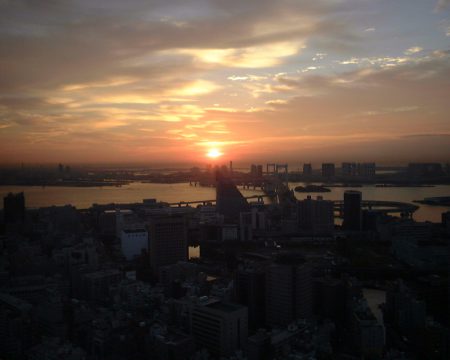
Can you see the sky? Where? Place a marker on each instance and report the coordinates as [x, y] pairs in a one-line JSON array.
[[159, 81]]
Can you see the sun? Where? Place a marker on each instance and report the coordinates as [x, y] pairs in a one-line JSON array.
[[214, 153]]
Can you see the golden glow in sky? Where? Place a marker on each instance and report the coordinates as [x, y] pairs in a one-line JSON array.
[[214, 153], [193, 80]]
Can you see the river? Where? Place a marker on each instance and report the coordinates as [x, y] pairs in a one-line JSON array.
[[84, 197]]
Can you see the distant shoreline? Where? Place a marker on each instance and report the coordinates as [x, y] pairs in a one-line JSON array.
[[119, 183]]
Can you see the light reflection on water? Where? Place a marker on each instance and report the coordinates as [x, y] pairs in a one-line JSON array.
[[37, 196]]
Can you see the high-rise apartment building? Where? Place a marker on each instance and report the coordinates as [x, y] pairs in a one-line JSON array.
[[349, 169], [219, 327], [289, 292], [229, 201], [14, 208], [307, 169], [315, 216], [360, 170], [167, 236], [352, 210], [133, 242], [367, 170], [328, 170], [250, 288]]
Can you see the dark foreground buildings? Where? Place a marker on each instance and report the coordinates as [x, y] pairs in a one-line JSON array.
[[14, 208], [273, 281], [352, 210]]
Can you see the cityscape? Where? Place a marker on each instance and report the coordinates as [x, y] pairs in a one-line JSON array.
[[224, 180], [263, 276]]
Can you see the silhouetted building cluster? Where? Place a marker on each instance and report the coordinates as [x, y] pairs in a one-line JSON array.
[[14, 208], [238, 279], [358, 170], [328, 170], [419, 170]]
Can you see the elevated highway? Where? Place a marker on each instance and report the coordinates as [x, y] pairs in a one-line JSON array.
[[384, 207]]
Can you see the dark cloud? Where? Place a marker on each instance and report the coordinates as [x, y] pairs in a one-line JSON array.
[[97, 73], [55, 42], [443, 4]]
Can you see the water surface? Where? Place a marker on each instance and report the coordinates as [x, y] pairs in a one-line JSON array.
[[84, 197]]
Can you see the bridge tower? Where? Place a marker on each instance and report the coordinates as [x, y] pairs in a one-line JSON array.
[[271, 169], [283, 174]]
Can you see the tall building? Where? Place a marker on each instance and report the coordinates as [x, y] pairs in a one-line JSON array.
[[328, 170], [219, 327], [417, 245], [289, 292], [132, 242], [404, 310], [352, 210], [367, 170], [250, 288], [307, 169], [349, 169], [14, 208], [361, 170], [167, 236], [419, 170], [229, 200], [315, 216], [253, 221], [367, 333]]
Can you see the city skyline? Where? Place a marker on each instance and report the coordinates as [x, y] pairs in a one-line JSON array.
[[104, 81]]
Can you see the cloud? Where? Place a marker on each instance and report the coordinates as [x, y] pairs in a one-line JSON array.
[[413, 50], [102, 78], [252, 57], [442, 4]]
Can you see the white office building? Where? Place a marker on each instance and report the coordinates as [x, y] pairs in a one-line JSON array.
[[133, 241]]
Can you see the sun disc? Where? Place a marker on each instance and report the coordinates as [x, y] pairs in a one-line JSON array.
[[214, 153]]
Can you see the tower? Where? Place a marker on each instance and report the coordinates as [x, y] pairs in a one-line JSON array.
[[167, 240], [352, 210], [14, 208], [230, 202]]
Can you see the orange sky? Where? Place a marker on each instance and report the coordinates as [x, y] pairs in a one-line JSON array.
[[154, 82]]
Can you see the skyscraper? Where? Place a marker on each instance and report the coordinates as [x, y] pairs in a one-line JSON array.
[[289, 291], [328, 170], [307, 169], [14, 208], [349, 169], [219, 327], [316, 216], [250, 291], [230, 202], [352, 210], [167, 236]]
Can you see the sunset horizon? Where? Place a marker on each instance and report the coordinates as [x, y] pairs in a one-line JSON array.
[[224, 179], [104, 82]]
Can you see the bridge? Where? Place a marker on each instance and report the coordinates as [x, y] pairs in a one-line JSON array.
[[384, 207], [213, 201], [274, 184]]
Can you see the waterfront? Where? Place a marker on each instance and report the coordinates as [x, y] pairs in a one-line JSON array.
[[37, 196], [402, 194]]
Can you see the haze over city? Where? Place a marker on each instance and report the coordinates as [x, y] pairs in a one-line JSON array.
[[158, 81]]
